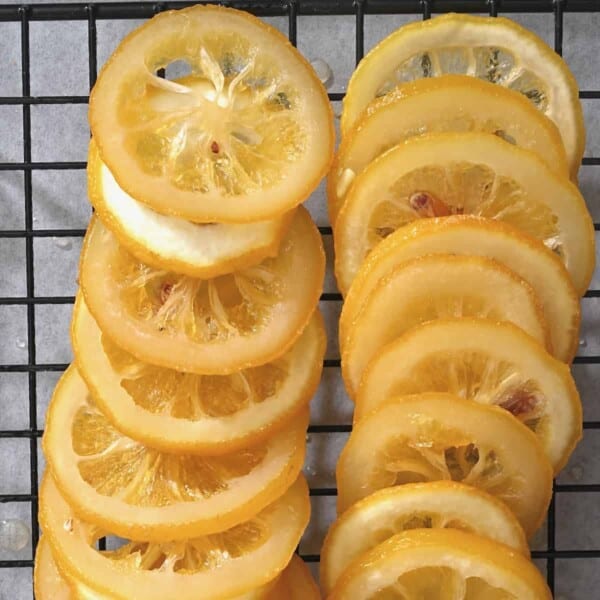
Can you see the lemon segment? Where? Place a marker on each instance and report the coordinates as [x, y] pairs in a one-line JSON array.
[[469, 235], [171, 243], [497, 50], [440, 104], [441, 563], [436, 287], [244, 135], [439, 504], [438, 436], [199, 414], [439, 175], [212, 567], [491, 363], [136, 491]]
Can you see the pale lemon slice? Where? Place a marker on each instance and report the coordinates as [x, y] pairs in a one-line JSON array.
[[244, 135], [465, 234], [491, 363], [441, 564], [48, 583], [222, 566], [438, 504], [199, 414], [295, 583], [443, 174], [448, 103], [434, 436], [171, 243], [436, 287], [494, 49], [135, 491]]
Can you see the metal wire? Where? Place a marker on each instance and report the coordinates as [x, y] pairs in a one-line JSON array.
[[291, 9]]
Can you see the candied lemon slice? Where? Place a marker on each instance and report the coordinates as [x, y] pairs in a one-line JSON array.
[[436, 287], [493, 49], [295, 583], [49, 584], [470, 235], [491, 363], [441, 563], [136, 491], [214, 326], [436, 504], [434, 436], [171, 243], [246, 134], [200, 414], [222, 566], [448, 103], [443, 174]]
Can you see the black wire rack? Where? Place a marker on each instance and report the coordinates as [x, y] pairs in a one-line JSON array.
[[291, 9]]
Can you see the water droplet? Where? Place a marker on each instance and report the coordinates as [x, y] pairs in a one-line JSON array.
[[68, 525], [35, 219], [14, 535], [323, 71], [308, 438], [21, 343], [583, 342], [310, 471], [62, 243], [576, 473]]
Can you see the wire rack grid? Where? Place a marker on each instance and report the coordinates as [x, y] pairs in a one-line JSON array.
[[551, 558]]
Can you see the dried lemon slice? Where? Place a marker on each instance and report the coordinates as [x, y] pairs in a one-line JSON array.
[[245, 135], [48, 583], [448, 103], [214, 326], [135, 491], [434, 436], [295, 583], [200, 414], [493, 49], [441, 563], [465, 234], [436, 287], [166, 242], [491, 363], [213, 567], [438, 175], [437, 504]]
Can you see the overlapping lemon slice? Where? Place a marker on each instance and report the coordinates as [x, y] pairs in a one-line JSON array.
[[441, 563], [214, 326], [295, 583], [135, 491], [493, 49], [491, 363], [213, 567], [49, 584], [241, 131], [437, 175], [171, 243], [436, 287], [465, 234], [200, 414], [448, 103], [439, 504], [435, 436]]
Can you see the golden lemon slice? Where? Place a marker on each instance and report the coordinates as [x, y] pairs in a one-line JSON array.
[[295, 583], [437, 504], [435, 436], [244, 135], [493, 49]]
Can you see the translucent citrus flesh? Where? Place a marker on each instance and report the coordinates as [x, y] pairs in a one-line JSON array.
[[439, 504], [435, 436], [295, 583], [440, 104], [438, 175], [214, 326], [211, 567], [436, 287], [240, 130], [442, 564], [491, 363], [136, 491], [497, 50], [200, 414], [465, 234], [171, 243]]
